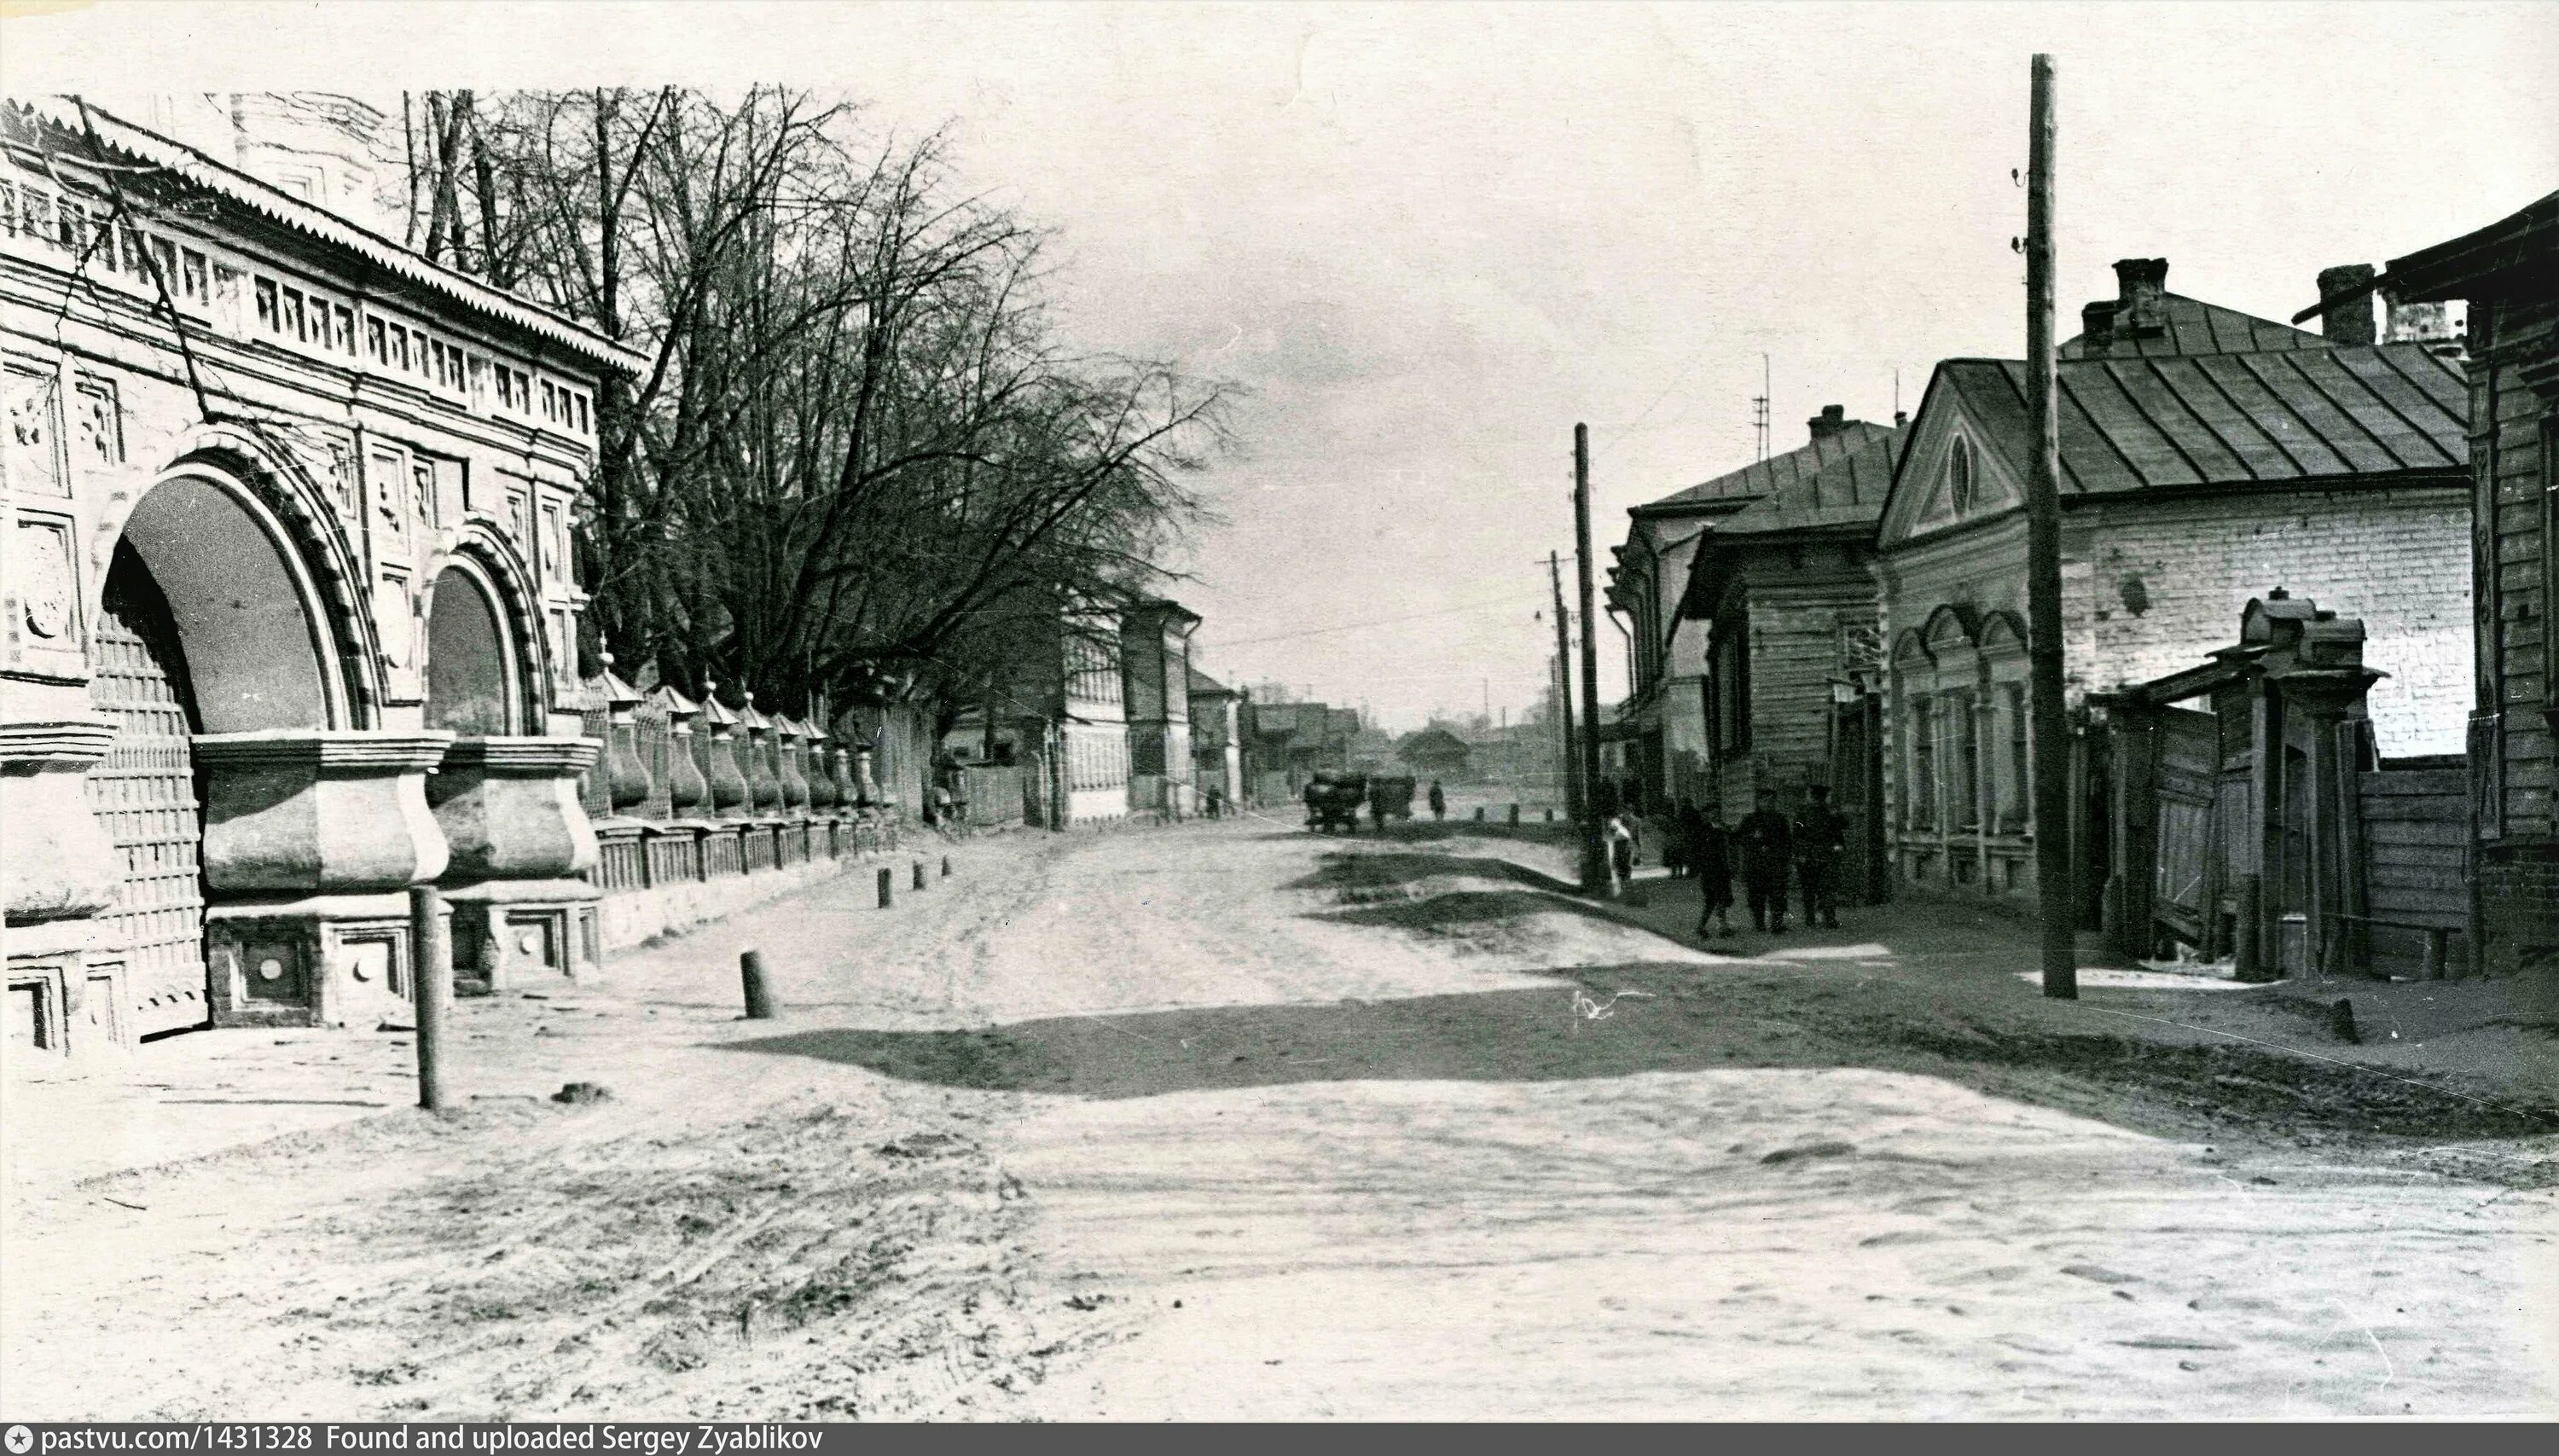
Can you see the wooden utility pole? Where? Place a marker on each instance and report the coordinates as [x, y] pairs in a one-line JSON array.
[[2053, 874], [1564, 691], [1595, 876]]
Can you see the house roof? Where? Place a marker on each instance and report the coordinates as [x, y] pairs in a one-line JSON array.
[[2522, 248], [1775, 472], [2194, 327], [1849, 491], [2288, 414], [1201, 683], [282, 208]]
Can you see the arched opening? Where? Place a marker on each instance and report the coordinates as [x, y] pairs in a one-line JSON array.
[[240, 606], [473, 684], [203, 626]]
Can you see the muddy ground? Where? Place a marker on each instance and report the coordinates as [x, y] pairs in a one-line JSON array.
[[1234, 1121]]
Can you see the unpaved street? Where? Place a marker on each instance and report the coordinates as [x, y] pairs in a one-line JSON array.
[[1233, 1120]]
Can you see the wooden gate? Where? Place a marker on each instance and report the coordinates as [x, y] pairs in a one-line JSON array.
[[2189, 764], [144, 793]]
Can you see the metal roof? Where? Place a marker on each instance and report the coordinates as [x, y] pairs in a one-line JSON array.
[[1850, 491], [1778, 471], [2193, 326], [2520, 249], [2291, 414], [282, 208]]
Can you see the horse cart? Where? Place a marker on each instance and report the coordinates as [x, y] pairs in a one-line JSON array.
[[1333, 802]]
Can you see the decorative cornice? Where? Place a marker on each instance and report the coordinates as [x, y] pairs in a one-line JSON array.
[[323, 749], [63, 743], [524, 757]]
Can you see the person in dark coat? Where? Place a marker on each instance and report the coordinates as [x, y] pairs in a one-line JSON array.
[[1821, 840], [1438, 801], [1675, 840], [1766, 843], [1710, 858]]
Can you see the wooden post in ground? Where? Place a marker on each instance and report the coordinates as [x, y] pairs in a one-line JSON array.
[[887, 887], [431, 987], [2054, 870], [919, 874], [1598, 877]]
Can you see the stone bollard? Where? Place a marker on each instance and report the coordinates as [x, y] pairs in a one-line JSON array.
[[759, 997], [2341, 1023], [1515, 816], [946, 866], [1480, 814], [1550, 816], [919, 874], [887, 887], [432, 988]]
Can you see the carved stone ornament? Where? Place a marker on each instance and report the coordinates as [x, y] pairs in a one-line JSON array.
[[45, 592], [28, 439], [101, 425], [393, 619]]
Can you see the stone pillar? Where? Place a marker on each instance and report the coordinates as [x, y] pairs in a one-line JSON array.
[[520, 841], [763, 785], [789, 736], [57, 869], [626, 778], [688, 791], [824, 793], [312, 839], [727, 778], [849, 789]]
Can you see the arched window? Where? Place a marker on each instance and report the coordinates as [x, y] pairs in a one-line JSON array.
[[1959, 476]]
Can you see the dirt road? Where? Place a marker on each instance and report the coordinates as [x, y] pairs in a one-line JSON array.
[[1236, 1121]]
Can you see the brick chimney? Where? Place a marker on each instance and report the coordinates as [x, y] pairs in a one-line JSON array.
[[1832, 420], [2345, 321], [2141, 305], [2097, 320]]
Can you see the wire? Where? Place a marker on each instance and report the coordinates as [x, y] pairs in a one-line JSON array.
[[1484, 606]]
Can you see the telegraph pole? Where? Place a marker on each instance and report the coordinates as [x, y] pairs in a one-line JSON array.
[[2053, 875], [1564, 691], [1595, 876]]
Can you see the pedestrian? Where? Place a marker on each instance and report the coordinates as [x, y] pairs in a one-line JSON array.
[[1821, 838], [1767, 857], [1438, 801], [1621, 848], [1709, 859], [1675, 840]]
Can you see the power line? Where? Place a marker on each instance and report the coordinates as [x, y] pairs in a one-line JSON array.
[[1247, 641]]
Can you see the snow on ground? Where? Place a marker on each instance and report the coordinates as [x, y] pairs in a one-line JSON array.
[[1235, 1120]]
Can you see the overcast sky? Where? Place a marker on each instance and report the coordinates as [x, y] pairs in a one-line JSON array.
[[1428, 240]]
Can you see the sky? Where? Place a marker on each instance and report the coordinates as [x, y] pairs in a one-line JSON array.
[[1427, 240]]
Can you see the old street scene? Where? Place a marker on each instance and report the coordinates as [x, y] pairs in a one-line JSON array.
[[1275, 713]]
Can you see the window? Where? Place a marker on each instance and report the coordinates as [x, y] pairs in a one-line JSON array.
[[1963, 774], [1729, 676], [70, 227], [1920, 810], [2021, 788], [1959, 476], [550, 402], [132, 259], [194, 283], [377, 341], [229, 284], [270, 307], [2549, 560], [164, 264], [36, 212], [399, 349], [297, 318], [477, 370], [585, 426]]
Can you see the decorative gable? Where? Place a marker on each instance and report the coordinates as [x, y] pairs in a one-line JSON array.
[[1950, 473]]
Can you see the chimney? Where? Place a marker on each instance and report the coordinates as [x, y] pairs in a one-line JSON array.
[[2141, 312], [1832, 420], [1900, 417], [2343, 321], [2097, 321]]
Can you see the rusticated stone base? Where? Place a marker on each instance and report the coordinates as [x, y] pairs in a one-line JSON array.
[[343, 959], [512, 934]]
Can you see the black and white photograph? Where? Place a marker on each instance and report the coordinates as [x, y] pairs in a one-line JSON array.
[[772, 714]]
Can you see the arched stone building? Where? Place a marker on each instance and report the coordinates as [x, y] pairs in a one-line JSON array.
[[289, 625]]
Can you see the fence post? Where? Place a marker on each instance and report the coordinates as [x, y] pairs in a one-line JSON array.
[[887, 887], [431, 985], [2438, 960], [919, 874], [1515, 816]]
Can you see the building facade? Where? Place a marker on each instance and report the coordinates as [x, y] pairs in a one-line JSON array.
[[288, 516], [1217, 737], [1155, 652], [2508, 275], [2207, 459]]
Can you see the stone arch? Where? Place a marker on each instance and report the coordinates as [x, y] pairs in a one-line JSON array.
[[1952, 627], [251, 613], [2003, 632], [475, 667], [294, 513]]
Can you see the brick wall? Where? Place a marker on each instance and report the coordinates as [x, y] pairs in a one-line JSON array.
[[2165, 581]]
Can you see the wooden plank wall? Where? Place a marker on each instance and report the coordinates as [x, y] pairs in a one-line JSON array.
[[2505, 446], [2415, 826]]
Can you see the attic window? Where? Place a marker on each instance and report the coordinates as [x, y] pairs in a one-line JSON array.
[[1959, 478]]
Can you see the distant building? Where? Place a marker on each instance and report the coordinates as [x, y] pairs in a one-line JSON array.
[[1217, 737], [1154, 662]]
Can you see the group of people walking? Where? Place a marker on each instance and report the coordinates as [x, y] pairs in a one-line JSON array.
[[1769, 850]]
